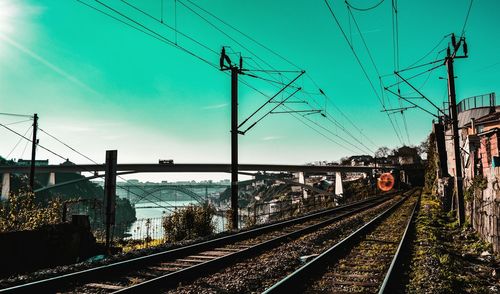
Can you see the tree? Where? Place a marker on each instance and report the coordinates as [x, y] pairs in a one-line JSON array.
[[382, 152], [422, 148]]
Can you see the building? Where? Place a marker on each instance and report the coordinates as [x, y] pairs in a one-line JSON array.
[[479, 126]]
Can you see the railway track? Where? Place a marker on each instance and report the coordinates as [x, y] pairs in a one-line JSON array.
[[367, 261], [166, 269]]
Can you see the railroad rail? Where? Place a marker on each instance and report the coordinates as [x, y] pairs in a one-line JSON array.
[[166, 269], [364, 262]]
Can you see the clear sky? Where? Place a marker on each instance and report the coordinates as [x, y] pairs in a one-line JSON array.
[[98, 84]]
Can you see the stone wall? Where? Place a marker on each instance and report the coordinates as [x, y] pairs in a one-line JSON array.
[[49, 246], [484, 212]]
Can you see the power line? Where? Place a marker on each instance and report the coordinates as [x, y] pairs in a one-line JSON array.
[[298, 117], [364, 9], [170, 27], [361, 65], [466, 19], [26, 145], [29, 140], [395, 35], [155, 34], [425, 55], [18, 122], [414, 76], [71, 148], [144, 29], [19, 141], [15, 114], [93, 161], [245, 35]]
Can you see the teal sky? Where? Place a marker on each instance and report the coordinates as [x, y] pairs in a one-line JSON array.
[[98, 84]]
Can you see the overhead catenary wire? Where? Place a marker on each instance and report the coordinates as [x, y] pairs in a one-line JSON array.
[[362, 66], [300, 118], [256, 42], [144, 29], [17, 122], [364, 9], [155, 34], [396, 57], [69, 147], [374, 66], [26, 145], [170, 27], [239, 43], [245, 35], [426, 54], [95, 162], [29, 140], [15, 114], [466, 19], [18, 142]]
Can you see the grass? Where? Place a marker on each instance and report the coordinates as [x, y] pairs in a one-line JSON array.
[[445, 256]]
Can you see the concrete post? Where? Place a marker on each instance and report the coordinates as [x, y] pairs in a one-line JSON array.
[[52, 179], [5, 186], [302, 180], [339, 188]]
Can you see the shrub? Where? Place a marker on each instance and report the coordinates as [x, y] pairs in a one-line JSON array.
[[191, 222], [22, 212]]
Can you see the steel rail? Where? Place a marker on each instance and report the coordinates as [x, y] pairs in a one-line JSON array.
[[97, 273], [171, 280], [295, 282], [390, 285]]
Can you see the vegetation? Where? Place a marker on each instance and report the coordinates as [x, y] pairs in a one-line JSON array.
[[478, 183], [445, 257], [21, 212], [431, 168], [445, 254], [191, 222], [83, 197]]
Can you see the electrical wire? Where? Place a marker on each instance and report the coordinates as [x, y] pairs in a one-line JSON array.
[[245, 35], [144, 29], [364, 9], [362, 67], [25, 146], [19, 141], [252, 39], [170, 27], [15, 114], [93, 161], [466, 19], [29, 140], [17, 122]]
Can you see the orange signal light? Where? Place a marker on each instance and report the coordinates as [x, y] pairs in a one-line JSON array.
[[385, 182]]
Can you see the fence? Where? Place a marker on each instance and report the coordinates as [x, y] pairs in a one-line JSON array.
[[485, 100], [266, 212], [486, 218], [148, 232]]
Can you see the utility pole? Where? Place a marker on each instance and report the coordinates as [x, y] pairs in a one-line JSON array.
[[110, 192], [235, 71], [454, 119], [34, 142], [234, 146]]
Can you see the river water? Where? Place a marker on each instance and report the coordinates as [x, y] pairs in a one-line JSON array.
[[150, 215]]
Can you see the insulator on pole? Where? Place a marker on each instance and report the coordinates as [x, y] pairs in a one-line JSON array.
[[222, 54]]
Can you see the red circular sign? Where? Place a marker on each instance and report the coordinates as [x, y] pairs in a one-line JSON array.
[[385, 182]]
